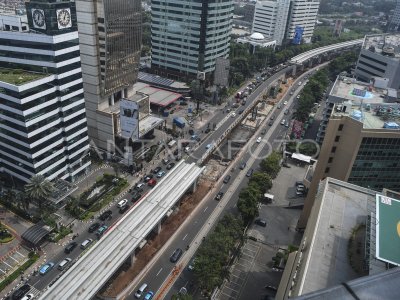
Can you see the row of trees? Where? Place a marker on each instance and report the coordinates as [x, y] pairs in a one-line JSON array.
[[259, 184], [212, 259], [317, 84]]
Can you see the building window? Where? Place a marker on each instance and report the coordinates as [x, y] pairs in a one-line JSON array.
[[333, 150], [337, 138], [327, 170], [340, 127], [330, 160]]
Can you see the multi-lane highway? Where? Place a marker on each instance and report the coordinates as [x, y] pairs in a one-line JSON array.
[[160, 272]]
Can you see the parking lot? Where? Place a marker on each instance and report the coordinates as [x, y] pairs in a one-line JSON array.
[[10, 262]]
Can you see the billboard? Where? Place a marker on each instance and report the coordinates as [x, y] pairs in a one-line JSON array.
[[298, 35], [129, 119]]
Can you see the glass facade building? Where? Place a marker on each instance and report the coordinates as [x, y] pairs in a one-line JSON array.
[[188, 36], [110, 34], [43, 127]]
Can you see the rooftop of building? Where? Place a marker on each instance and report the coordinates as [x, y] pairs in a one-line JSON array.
[[368, 104], [19, 77], [343, 208], [386, 44]]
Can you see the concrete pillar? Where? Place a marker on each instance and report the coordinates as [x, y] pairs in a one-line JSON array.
[[132, 258], [194, 186], [112, 99], [157, 228], [294, 70]]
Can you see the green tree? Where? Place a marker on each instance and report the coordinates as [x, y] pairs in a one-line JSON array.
[[248, 202], [262, 180], [271, 164], [38, 189]]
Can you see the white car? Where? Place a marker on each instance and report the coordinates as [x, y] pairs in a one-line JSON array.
[[298, 97], [283, 122], [258, 140], [300, 83], [285, 102], [233, 115], [122, 203], [27, 297]]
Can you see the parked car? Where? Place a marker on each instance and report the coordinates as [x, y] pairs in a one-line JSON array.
[[93, 227], [300, 193], [191, 132], [242, 166], [270, 123], [156, 170], [165, 161], [272, 118], [207, 130], [264, 131], [261, 222], [227, 178], [139, 187], [176, 255], [299, 182], [191, 264], [160, 174], [283, 122], [249, 173], [71, 246], [27, 297], [21, 291], [46, 268], [258, 140], [219, 196], [285, 102], [106, 215], [208, 146], [286, 112], [279, 106], [152, 182], [170, 166], [286, 124]]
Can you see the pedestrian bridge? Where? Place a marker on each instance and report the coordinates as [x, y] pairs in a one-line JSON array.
[[86, 277]]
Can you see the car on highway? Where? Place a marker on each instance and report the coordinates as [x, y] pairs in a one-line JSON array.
[[160, 174], [93, 227], [279, 106], [227, 178], [272, 118], [187, 149], [106, 215], [264, 131], [170, 166], [240, 111], [208, 146], [258, 140], [191, 131], [136, 196], [46, 268], [152, 182], [193, 137], [298, 97], [122, 203], [141, 290], [122, 210], [300, 83], [286, 124], [233, 115], [101, 230], [285, 102], [147, 177], [242, 166], [286, 112], [249, 173], [291, 93], [191, 264], [158, 169], [283, 122], [219, 196], [149, 295], [261, 222], [21, 291], [71, 246], [176, 255], [270, 123], [207, 130]]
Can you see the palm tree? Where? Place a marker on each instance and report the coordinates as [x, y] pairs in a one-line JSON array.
[[38, 189]]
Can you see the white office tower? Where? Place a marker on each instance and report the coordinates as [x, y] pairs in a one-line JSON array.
[[303, 15], [394, 24], [286, 21], [270, 19], [188, 36], [42, 109]]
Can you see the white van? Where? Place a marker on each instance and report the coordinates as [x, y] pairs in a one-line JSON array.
[[141, 290], [122, 203], [86, 243], [62, 264]]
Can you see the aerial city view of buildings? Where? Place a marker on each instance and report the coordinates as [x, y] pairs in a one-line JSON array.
[[199, 149]]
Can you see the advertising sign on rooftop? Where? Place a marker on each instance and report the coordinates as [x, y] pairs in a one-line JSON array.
[[129, 118]]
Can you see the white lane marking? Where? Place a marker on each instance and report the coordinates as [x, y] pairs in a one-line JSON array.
[[205, 209], [184, 237], [159, 272]]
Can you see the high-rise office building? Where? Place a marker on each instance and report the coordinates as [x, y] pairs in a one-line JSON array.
[[188, 36], [281, 20], [380, 58], [110, 40], [394, 24], [43, 126], [361, 141]]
